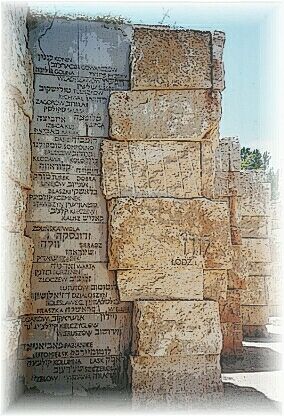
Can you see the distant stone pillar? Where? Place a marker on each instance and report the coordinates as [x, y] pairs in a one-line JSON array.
[[169, 242]]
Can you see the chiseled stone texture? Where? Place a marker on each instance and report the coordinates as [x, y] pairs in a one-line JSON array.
[[163, 232], [174, 380], [256, 249], [13, 202], [260, 268], [15, 147], [17, 62], [256, 292], [235, 221], [256, 227], [239, 271], [215, 284], [160, 284], [176, 328], [255, 194], [274, 289], [164, 115], [230, 308], [18, 253], [228, 155], [255, 331], [177, 59], [151, 169], [232, 338], [226, 184], [254, 314]]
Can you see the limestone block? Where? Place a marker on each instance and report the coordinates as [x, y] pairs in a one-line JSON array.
[[230, 308], [177, 59], [160, 284], [15, 147], [13, 204], [255, 292], [215, 284], [256, 249], [239, 271], [164, 115], [256, 195], [17, 63], [236, 233], [255, 331], [10, 329], [208, 166], [232, 338], [144, 169], [17, 264], [256, 227], [260, 268], [228, 155], [163, 232], [226, 184], [166, 328], [275, 310], [174, 379], [254, 314], [274, 289]]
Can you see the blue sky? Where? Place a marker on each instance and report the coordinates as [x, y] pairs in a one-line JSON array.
[[251, 52]]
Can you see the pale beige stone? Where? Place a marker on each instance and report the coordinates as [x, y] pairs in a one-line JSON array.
[[208, 166], [143, 169], [228, 155], [235, 220], [15, 146], [256, 249], [164, 115], [255, 292], [226, 184], [176, 59], [166, 328], [254, 315], [256, 227], [256, 194], [232, 338], [260, 268], [230, 307], [215, 284], [10, 329], [163, 232], [13, 205], [160, 284], [17, 264], [239, 271], [174, 379], [274, 289]]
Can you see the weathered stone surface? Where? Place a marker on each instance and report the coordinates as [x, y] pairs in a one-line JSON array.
[[174, 380], [157, 232], [58, 197], [164, 115], [17, 64], [10, 336], [256, 249], [239, 271], [228, 155], [256, 227], [254, 315], [208, 166], [256, 195], [68, 242], [160, 284], [255, 331], [156, 169], [15, 146], [166, 328], [13, 205], [255, 292], [177, 59], [230, 308], [215, 284], [232, 338], [274, 289], [17, 264], [260, 268], [235, 223], [226, 184]]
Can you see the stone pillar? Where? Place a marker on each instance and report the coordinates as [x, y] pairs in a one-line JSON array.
[[15, 177], [227, 189], [256, 232], [166, 234]]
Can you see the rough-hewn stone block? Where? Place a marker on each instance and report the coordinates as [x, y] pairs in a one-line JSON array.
[[273, 289], [256, 227], [157, 380], [239, 271], [164, 115], [215, 284], [160, 284], [230, 308], [255, 292], [165, 328], [256, 249], [228, 155], [254, 315], [144, 169], [232, 338], [256, 195], [259, 268], [226, 184], [236, 233], [255, 331], [177, 59], [163, 232]]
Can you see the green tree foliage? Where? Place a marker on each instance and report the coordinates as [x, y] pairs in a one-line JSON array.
[[254, 159]]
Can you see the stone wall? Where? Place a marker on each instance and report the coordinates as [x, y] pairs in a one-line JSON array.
[[169, 241], [16, 247]]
